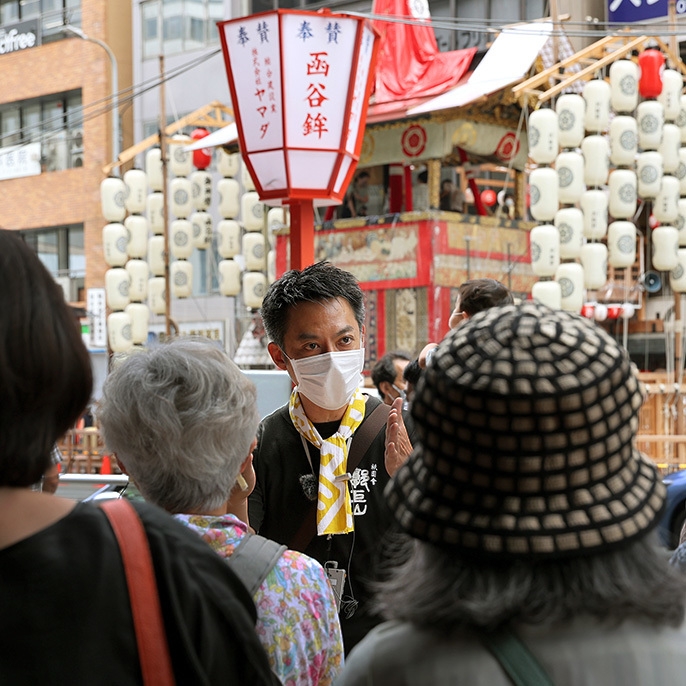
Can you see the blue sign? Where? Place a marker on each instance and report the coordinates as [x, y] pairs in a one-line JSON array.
[[629, 11]]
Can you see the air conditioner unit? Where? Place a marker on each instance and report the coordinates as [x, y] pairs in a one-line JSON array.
[[54, 150], [76, 140], [76, 158]]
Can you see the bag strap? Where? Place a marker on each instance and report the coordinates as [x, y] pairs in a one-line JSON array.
[[362, 439], [253, 558], [148, 625], [515, 658]]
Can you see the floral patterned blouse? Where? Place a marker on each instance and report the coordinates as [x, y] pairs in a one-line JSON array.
[[296, 612]]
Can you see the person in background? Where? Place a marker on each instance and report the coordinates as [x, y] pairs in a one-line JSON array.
[[451, 199], [181, 418], [387, 375], [473, 296], [66, 615], [308, 496], [357, 199], [529, 519], [420, 192]]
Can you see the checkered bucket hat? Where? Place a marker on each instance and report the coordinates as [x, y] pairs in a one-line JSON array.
[[526, 418]]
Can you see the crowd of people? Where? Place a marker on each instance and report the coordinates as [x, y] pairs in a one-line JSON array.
[[486, 519]]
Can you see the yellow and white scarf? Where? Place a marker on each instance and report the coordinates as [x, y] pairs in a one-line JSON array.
[[334, 509]]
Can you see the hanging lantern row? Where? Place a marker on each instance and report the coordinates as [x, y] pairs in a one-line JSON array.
[[582, 138]]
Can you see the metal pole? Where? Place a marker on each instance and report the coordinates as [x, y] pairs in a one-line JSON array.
[[165, 204], [116, 145]]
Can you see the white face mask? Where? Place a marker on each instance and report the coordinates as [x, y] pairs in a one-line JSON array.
[[329, 380]]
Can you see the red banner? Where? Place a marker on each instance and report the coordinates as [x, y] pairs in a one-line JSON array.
[[410, 64]]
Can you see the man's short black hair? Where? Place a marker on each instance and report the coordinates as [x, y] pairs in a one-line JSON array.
[[317, 283], [384, 369]]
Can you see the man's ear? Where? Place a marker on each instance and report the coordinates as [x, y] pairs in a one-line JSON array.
[[277, 355], [385, 388]]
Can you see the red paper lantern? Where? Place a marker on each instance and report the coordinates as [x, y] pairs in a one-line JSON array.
[[587, 311], [489, 197], [651, 63], [613, 311], [201, 158]]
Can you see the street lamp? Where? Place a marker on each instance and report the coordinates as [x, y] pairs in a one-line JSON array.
[[68, 28]]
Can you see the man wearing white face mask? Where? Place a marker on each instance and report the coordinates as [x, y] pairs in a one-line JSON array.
[[320, 459]]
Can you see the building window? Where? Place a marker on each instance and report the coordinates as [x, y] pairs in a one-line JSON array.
[[175, 26], [51, 15], [54, 121], [60, 249]]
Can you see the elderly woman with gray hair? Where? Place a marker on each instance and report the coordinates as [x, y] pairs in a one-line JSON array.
[[531, 555], [181, 419]]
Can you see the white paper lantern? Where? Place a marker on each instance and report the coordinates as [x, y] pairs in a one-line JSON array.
[[254, 251], [181, 239], [119, 332], [180, 161], [229, 191], [156, 255], [254, 289], [681, 171], [594, 206], [666, 205], [600, 312], [246, 179], [570, 109], [228, 164], [139, 314], [117, 288], [136, 182], [181, 197], [542, 132], [155, 212], [669, 148], [570, 276], [623, 141], [181, 275], [594, 261], [229, 278], [665, 242], [650, 118], [201, 185], [596, 153], [681, 119], [271, 266], [570, 174], [545, 250], [624, 85], [570, 224], [153, 168], [138, 229], [670, 97], [138, 279], [113, 198], [252, 211], [649, 174], [597, 114], [622, 184], [548, 293], [115, 240], [157, 295], [677, 277], [680, 223], [543, 191], [228, 238], [202, 229], [276, 219], [621, 244]]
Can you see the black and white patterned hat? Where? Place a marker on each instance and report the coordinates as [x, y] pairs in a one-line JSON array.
[[527, 418]]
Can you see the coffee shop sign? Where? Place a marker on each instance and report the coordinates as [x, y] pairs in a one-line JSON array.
[[13, 40]]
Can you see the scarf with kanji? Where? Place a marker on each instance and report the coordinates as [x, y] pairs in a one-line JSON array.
[[334, 509]]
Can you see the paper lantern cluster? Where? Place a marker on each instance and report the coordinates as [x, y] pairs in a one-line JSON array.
[[597, 153], [241, 245]]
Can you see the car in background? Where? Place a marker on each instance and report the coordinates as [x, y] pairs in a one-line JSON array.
[[674, 516]]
